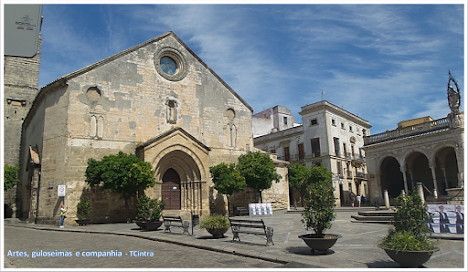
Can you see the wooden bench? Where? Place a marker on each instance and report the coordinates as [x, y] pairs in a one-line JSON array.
[[242, 211], [175, 221], [256, 227]]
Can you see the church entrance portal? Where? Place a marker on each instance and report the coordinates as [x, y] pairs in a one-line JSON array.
[[171, 189]]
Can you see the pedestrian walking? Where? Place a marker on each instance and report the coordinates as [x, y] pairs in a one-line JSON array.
[[63, 215], [358, 198], [351, 197]]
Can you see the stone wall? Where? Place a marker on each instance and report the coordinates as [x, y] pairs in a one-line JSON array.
[[21, 80]]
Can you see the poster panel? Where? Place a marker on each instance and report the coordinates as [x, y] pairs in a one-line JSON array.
[[446, 218], [260, 209]]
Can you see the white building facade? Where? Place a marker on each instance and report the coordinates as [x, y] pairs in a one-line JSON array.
[[329, 135]]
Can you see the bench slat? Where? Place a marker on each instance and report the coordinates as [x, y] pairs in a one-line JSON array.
[[249, 226], [239, 226]]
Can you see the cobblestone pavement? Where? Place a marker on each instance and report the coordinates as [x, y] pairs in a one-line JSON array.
[[357, 248], [166, 255]]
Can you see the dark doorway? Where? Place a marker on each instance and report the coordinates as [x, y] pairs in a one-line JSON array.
[[391, 178], [171, 189], [342, 199]]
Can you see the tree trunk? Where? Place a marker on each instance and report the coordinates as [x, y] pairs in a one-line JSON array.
[[228, 209], [127, 209], [260, 193]]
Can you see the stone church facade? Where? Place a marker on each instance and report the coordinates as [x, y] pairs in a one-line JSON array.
[[157, 99]]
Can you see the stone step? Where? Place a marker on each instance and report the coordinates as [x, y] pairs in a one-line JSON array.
[[372, 218], [390, 213], [371, 221]]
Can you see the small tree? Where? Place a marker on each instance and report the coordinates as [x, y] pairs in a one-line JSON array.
[[149, 209], [83, 208], [259, 171], [124, 174], [319, 201], [10, 176], [409, 232], [227, 179], [298, 175]]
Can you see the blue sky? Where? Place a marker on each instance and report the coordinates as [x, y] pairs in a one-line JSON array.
[[384, 63]]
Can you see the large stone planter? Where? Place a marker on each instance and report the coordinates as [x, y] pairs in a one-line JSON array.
[[83, 222], [217, 232], [152, 225], [140, 224], [410, 259], [321, 243]]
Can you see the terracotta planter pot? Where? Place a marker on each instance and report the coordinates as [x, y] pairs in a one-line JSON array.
[[217, 232], [321, 243], [410, 259]]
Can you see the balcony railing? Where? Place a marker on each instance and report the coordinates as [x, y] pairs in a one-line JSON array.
[[361, 175], [427, 127], [293, 158]]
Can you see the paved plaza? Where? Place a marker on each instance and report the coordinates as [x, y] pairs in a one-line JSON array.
[[356, 249]]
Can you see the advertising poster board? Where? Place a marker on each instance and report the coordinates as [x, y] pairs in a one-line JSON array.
[[446, 218], [260, 209]]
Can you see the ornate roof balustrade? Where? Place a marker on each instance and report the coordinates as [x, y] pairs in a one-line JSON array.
[[434, 126]]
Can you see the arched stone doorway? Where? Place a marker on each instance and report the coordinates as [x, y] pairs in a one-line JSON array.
[[391, 177], [179, 180], [446, 169], [170, 189], [419, 171], [179, 160]]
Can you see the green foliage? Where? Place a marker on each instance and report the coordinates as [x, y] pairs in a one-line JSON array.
[[214, 222], [411, 215], [83, 208], [403, 240], [298, 174], [258, 169], [227, 178], [149, 209], [409, 231], [319, 200], [10, 176], [123, 173]]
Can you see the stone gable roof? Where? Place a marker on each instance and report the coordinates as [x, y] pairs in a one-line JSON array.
[[169, 132], [65, 78]]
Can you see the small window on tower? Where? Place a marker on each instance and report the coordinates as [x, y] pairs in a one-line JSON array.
[[313, 122], [285, 120]]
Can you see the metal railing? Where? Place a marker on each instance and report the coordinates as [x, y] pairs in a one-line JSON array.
[[296, 157]]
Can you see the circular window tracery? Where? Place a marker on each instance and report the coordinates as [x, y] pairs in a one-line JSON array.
[[231, 114], [170, 64]]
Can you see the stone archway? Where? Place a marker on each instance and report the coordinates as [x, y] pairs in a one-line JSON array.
[[391, 178], [179, 180], [446, 168], [173, 154], [419, 171]]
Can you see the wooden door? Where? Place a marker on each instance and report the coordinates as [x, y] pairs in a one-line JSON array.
[[171, 190]]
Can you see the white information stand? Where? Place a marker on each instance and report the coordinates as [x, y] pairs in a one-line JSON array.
[[260, 209]]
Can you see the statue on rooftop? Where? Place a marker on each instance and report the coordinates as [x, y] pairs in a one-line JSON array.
[[453, 95]]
